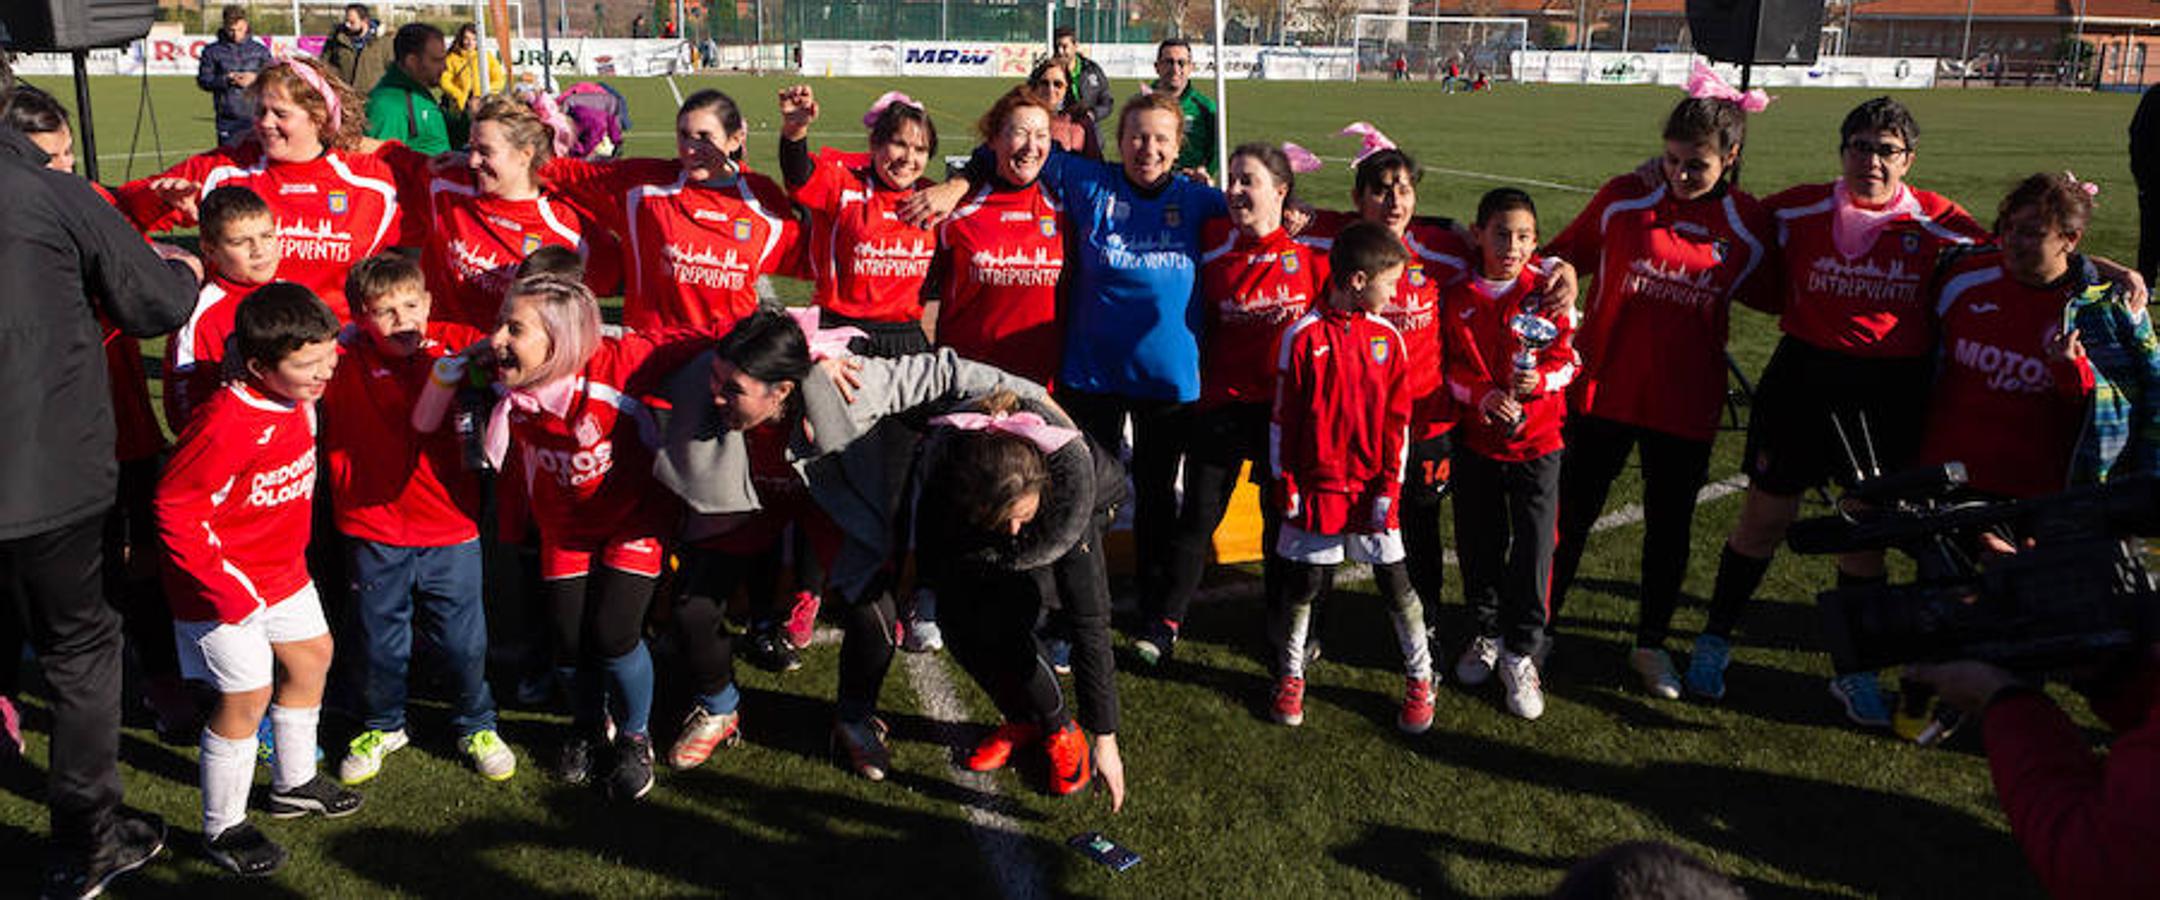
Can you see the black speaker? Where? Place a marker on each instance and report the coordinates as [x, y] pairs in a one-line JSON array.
[[1768, 32], [39, 26]]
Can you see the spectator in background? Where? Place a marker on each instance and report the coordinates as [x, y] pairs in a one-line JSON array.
[[461, 71], [2145, 166], [402, 107], [638, 28], [1072, 127], [1173, 71], [229, 65], [1089, 87], [355, 50], [61, 242]]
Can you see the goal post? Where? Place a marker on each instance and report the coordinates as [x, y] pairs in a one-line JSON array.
[[1425, 47]]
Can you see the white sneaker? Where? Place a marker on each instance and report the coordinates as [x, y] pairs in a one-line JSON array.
[[364, 757], [1476, 664], [1519, 684], [1655, 667], [918, 627]]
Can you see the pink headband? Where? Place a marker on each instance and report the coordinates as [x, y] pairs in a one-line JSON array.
[[315, 80], [1374, 141], [550, 114], [831, 343], [869, 119], [1027, 426], [1704, 84], [1301, 159], [2091, 190]]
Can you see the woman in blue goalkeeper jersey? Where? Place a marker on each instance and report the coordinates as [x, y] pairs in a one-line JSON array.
[[1132, 316]]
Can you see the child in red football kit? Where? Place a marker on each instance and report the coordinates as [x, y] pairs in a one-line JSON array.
[[240, 250], [1512, 380], [234, 509], [585, 454], [1337, 444], [406, 503]]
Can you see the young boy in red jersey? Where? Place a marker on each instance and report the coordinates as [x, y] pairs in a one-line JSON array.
[[1507, 457], [1338, 439], [407, 504], [234, 509], [240, 247]]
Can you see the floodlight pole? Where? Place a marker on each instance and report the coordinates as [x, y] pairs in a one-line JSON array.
[[1627, 22], [547, 52], [1222, 97], [480, 28], [83, 118]]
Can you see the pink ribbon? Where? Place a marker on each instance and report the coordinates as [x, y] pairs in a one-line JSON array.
[[1025, 425], [1301, 159], [830, 343], [1373, 140], [315, 80], [554, 396], [877, 109], [1704, 84], [2090, 189], [543, 105]]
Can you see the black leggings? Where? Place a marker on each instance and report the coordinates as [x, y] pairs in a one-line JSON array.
[[1158, 439], [596, 617], [1424, 486], [989, 624], [709, 579], [866, 649], [1221, 440], [132, 552], [1673, 471]]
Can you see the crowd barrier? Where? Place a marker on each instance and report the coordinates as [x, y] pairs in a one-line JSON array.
[[969, 59], [1614, 67], [181, 54]]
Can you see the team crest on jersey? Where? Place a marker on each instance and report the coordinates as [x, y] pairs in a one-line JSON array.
[[1417, 276], [1718, 249], [1912, 243], [532, 243], [588, 431], [1170, 215], [742, 229], [340, 202], [1289, 262], [1047, 225], [1379, 347]]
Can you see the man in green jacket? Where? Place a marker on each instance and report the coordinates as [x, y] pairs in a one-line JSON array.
[[402, 107], [1173, 70]]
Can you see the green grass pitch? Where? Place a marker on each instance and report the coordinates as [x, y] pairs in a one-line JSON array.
[[1769, 785]]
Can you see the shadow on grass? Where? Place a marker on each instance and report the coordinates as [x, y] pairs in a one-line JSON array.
[[743, 838], [1875, 843]]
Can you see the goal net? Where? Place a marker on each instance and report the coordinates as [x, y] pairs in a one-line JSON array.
[[1437, 48]]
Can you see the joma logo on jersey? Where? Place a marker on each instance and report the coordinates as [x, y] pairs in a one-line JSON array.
[[946, 57], [1379, 347], [340, 202]]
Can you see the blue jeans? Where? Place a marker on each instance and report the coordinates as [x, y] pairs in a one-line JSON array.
[[443, 584]]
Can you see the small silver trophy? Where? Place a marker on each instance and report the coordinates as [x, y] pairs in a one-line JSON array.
[[1532, 333]]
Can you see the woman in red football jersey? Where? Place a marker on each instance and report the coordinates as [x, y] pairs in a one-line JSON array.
[[870, 265], [334, 204], [699, 229], [1001, 252], [1670, 255], [1255, 279], [485, 218]]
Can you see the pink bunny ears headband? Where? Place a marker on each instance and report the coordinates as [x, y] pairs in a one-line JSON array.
[[1704, 84], [1371, 140], [2091, 190], [869, 119]]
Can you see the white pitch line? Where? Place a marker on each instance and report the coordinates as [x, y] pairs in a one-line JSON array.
[[1001, 838]]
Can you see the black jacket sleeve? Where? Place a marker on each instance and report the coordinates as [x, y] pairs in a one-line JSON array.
[[143, 295], [796, 165]]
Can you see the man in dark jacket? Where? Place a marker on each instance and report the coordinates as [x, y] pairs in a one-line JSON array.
[[1089, 85], [67, 256], [356, 50], [229, 65]]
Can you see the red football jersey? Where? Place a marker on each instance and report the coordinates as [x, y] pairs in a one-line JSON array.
[[2000, 405], [332, 211], [388, 483], [587, 459], [1003, 253], [1339, 436], [195, 354], [1871, 304], [695, 252], [869, 265], [234, 506], [1483, 346], [475, 243], [1438, 257], [1252, 289], [1652, 338]]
